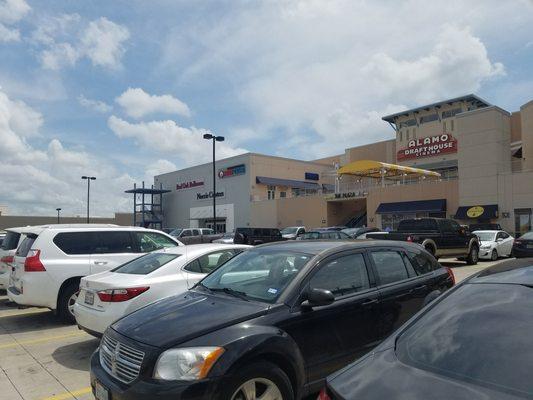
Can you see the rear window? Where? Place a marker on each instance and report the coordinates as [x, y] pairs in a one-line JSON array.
[[147, 264], [417, 225], [11, 241], [25, 246], [480, 334]]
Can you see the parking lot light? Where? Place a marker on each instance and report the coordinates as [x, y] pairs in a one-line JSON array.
[[58, 210], [214, 138], [88, 179]]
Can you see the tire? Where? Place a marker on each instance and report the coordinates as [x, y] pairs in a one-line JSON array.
[[68, 296], [260, 376], [473, 255], [430, 250], [494, 255]]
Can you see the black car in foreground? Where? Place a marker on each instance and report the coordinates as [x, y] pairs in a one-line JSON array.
[[271, 323], [473, 343], [523, 246]]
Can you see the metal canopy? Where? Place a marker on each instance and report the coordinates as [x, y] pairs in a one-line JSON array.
[[438, 205], [377, 169]]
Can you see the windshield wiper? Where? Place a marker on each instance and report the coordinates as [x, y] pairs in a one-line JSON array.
[[231, 292]]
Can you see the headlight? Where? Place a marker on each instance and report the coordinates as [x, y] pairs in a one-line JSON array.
[[189, 363], [485, 247]]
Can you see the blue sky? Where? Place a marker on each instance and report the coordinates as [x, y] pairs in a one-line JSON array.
[[125, 89]]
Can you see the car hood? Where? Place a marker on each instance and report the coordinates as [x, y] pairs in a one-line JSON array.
[[486, 243], [180, 318], [380, 375]]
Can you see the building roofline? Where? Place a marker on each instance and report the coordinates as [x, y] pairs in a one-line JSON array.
[[484, 109], [392, 117]]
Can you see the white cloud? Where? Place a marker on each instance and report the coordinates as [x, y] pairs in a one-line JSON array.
[[137, 103], [187, 144], [12, 11], [158, 167], [95, 105], [103, 42], [9, 35], [63, 40], [330, 69], [37, 180]]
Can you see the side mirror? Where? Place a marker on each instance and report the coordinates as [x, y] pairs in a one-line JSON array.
[[499, 240], [318, 297]]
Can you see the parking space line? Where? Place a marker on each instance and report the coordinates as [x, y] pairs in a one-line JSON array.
[[42, 340], [38, 311], [70, 395]]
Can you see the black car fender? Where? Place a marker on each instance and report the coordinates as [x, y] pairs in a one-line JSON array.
[[244, 344]]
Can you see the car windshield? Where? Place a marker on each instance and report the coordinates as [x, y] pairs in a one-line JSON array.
[[527, 236], [229, 235], [479, 334], [289, 231], [146, 264], [176, 232], [485, 236], [260, 274]]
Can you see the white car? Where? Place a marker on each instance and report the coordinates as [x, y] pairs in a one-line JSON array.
[[52, 259], [13, 238], [494, 244], [108, 296]]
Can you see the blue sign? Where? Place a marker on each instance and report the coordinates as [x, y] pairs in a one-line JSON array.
[[232, 171], [311, 176]]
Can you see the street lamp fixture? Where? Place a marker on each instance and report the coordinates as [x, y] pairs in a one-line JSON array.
[[58, 210], [214, 138], [88, 179]]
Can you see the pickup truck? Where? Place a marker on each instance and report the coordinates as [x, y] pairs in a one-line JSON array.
[[195, 235], [441, 237]]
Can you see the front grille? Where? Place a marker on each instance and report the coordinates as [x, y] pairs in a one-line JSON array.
[[119, 360]]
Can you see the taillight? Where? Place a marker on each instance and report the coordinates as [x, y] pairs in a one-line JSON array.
[[451, 274], [323, 395], [518, 242], [33, 262], [118, 295], [409, 238], [7, 259]]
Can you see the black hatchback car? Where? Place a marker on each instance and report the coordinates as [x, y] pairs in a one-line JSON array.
[[523, 246], [271, 323], [474, 343]]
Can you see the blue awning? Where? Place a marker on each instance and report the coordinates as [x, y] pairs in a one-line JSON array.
[[412, 206], [286, 182], [477, 212]]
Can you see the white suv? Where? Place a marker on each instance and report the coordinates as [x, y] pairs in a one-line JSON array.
[[14, 237], [52, 259]]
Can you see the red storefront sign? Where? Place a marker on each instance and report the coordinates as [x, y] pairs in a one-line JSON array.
[[428, 147]]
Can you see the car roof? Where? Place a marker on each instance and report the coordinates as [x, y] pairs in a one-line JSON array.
[[194, 249], [316, 247], [18, 229], [517, 272], [488, 231], [84, 228]]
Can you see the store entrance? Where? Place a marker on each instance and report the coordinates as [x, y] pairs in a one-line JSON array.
[[220, 225], [347, 212]]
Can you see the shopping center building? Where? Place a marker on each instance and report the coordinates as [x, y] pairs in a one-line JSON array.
[[462, 158]]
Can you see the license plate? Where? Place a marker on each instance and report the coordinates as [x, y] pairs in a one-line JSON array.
[[100, 392], [89, 298]]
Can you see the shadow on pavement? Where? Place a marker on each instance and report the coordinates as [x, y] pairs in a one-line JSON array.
[[77, 355], [23, 323]]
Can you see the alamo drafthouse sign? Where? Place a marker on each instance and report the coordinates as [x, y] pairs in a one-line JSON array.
[[428, 147]]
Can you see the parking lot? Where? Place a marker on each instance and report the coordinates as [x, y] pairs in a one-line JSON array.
[[44, 359]]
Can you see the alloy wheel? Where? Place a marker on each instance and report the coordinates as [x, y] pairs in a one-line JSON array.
[[71, 302], [258, 389]]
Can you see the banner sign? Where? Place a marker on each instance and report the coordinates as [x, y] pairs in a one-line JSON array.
[[311, 176], [428, 147], [190, 184], [208, 195], [232, 171]]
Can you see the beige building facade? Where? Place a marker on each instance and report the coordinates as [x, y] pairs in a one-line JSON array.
[[484, 156]]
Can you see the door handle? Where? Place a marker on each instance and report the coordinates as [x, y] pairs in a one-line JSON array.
[[369, 302], [100, 262], [419, 288]]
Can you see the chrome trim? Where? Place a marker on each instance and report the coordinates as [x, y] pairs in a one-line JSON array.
[[121, 361]]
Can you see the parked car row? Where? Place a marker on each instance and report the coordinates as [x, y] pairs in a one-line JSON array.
[[237, 322]]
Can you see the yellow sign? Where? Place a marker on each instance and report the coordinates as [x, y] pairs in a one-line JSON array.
[[474, 212]]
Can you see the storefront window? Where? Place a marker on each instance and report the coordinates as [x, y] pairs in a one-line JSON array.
[[271, 192], [390, 222], [295, 192], [522, 218]]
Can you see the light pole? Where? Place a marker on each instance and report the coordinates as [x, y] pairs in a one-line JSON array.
[[214, 138], [58, 209], [89, 179]]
